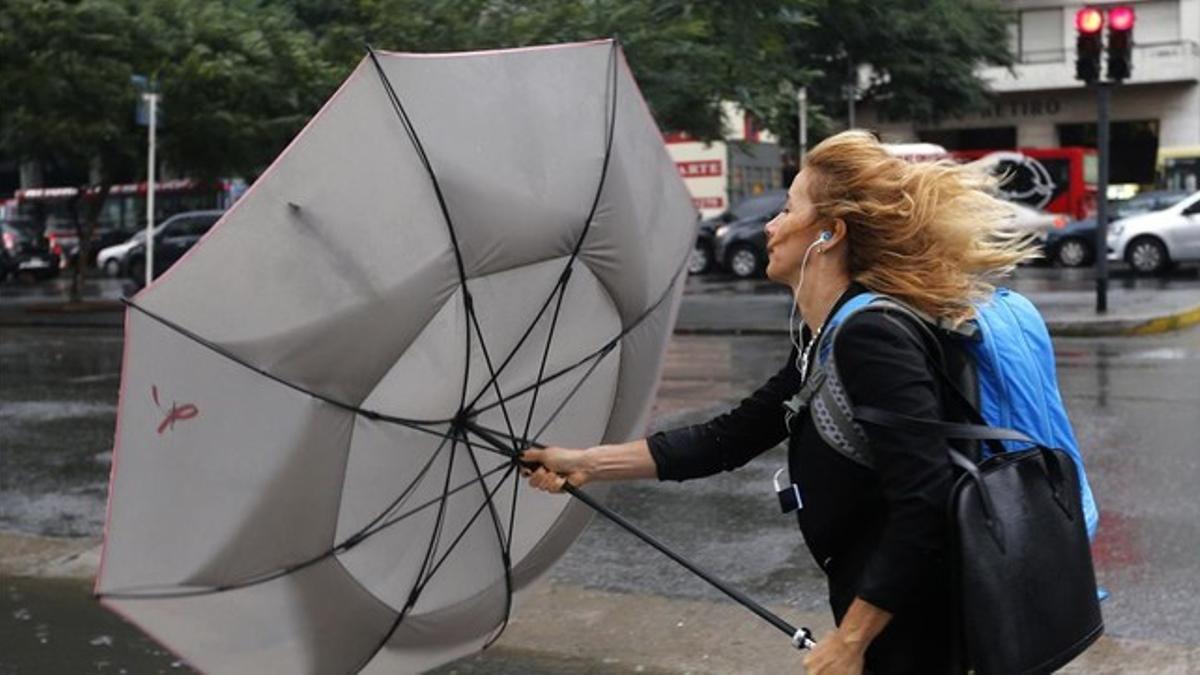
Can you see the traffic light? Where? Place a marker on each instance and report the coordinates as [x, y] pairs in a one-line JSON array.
[[1120, 42], [1089, 22]]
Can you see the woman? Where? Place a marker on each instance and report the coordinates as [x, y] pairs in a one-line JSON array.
[[856, 219]]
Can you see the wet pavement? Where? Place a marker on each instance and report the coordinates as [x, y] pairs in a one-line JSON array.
[[1134, 402]]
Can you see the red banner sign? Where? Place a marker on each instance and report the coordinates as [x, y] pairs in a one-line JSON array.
[[708, 202]]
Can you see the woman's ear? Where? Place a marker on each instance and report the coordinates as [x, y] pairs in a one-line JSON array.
[[837, 232]]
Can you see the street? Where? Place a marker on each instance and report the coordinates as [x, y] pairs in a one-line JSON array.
[[1133, 401]]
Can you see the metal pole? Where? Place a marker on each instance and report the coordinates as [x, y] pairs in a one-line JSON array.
[[851, 92], [802, 100], [152, 100], [1102, 103]]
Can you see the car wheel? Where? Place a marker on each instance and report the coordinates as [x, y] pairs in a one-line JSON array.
[[700, 261], [744, 261], [1074, 252], [1147, 255], [112, 267]]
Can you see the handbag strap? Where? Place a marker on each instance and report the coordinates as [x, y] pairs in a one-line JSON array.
[[971, 432]]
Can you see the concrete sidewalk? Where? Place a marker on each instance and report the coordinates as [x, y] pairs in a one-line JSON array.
[[588, 630]]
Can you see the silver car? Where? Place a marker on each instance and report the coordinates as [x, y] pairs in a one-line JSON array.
[[1151, 242]]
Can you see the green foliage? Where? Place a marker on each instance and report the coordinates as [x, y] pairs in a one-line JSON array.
[[240, 77], [238, 81], [687, 55], [65, 80]]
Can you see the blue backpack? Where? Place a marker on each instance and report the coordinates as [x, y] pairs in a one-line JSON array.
[[1009, 347]]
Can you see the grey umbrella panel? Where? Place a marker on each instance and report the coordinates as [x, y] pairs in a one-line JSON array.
[[297, 485]]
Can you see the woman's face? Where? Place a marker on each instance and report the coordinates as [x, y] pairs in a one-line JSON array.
[[791, 233]]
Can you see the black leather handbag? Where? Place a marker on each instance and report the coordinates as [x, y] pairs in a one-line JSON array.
[[1024, 581]]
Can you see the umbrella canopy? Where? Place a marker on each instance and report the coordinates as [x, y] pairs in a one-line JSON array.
[[458, 248]]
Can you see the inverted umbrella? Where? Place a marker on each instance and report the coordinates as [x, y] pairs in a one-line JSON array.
[[322, 404]]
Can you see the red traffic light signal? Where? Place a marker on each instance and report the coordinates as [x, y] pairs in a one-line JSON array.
[[1120, 42], [1089, 21], [1120, 18]]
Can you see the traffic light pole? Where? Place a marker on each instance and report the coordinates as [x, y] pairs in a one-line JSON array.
[[1103, 90]]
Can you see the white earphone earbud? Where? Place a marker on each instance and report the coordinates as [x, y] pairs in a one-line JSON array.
[[823, 237]]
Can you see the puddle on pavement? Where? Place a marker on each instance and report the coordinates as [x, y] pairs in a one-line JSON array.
[[54, 626]]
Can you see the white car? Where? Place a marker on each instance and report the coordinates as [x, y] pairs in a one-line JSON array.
[[111, 259], [1151, 242]]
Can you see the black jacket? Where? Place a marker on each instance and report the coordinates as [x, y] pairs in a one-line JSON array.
[[878, 534]]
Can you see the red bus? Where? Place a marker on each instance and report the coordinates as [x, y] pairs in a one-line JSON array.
[[1057, 180], [123, 213]]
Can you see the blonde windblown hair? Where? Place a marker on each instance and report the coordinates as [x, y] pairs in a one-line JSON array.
[[926, 233]]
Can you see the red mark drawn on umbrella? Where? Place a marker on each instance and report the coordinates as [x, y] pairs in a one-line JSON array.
[[178, 412]]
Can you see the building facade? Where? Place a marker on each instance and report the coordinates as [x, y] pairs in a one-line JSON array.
[[1040, 104]]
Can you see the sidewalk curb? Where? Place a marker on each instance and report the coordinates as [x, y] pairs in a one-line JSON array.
[[1124, 327]]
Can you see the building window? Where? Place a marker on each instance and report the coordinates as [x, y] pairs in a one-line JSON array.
[[1040, 35], [1157, 22]]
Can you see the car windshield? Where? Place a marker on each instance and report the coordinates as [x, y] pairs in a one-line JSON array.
[[756, 207], [1145, 203]]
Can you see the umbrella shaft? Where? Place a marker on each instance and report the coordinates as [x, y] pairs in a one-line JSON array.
[[766, 614]]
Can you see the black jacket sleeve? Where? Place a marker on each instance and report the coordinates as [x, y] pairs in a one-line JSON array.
[[882, 364], [729, 440]]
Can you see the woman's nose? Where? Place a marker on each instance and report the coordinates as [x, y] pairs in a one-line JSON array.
[[770, 225]]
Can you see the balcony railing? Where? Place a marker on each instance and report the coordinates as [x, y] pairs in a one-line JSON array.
[[1167, 61]]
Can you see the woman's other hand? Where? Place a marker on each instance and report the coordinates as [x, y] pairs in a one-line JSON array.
[[834, 655], [557, 467]]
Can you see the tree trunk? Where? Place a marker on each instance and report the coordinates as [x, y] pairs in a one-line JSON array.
[[92, 200]]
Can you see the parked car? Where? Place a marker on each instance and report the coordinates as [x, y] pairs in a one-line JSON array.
[[1075, 245], [702, 251], [739, 241], [112, 260], [1152, 242], [171, 240], [24, 250]]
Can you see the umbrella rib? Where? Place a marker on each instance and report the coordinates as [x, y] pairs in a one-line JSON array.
[[606, 347], [420, 587], [415, 424], [411, 131], [545, 357], [475, 516], [564, 277], [501, 540]]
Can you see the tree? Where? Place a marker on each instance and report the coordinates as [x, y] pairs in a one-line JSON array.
[[238, 80], [687, 55], [921, 55], [65, 71]]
